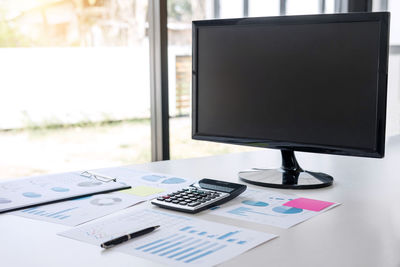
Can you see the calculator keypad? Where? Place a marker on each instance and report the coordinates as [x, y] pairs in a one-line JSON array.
[[190, 199]]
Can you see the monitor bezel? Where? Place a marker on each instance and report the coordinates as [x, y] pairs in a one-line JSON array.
[[382, 17]]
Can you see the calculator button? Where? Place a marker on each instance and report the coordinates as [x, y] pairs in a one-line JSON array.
[[182, 203], [168, 200], [160, 198], [166, 197], [193, 198], [175, 201], [181, 198], [194, 204], [185, 197], [188, 200]]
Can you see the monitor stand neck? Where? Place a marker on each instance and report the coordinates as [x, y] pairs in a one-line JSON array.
[[289, 175], [289, 162]]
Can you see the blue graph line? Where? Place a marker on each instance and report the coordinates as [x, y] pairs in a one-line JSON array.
[[162, 244], [227, 234], [185, 228], [205, 254], [170, 246], [27, 210], [187, 250], [179, 248], [155, 242], [59, 212], [195, 252], [56, 215]]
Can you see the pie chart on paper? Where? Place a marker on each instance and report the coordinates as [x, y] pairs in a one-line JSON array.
[[174, 180], [286, 210], [105, 201], [31, 194], [152, 178], [255, 203], [60, 189]]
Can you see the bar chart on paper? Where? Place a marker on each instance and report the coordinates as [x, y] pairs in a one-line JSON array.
[[179, 241], [74, 212], [41, 211]]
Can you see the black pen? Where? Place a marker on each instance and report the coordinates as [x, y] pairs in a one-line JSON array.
[[127, 237]]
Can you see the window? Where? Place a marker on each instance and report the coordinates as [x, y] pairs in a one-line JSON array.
[[75, 86]]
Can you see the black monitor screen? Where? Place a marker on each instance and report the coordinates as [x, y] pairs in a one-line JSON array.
[[303, 83]]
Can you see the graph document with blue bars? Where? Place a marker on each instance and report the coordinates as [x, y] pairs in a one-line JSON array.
[[81, 210], [180, 240]]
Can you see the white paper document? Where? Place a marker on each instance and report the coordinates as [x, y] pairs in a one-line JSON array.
[[81, 210], [37, 190], [265, 207], [180, 240], [146, 185]]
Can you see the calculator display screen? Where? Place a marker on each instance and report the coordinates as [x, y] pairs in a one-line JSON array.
[[217, 188], [221, 186]]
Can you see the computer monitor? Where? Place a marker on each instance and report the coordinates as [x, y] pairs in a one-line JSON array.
[[314, 83]]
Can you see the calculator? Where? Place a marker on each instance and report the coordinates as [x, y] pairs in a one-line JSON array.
[[203, 195]]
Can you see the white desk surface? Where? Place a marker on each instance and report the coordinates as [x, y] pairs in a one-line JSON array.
[[363, 231]]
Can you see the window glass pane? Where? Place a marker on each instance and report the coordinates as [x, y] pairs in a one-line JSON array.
[[329, 6], [394, 8], [231, 8], [296, 7], [393, 98], [180, 15], [263, 8], [75, 85]]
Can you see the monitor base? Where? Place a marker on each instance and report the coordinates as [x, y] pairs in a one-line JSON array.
[[290, 175]]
